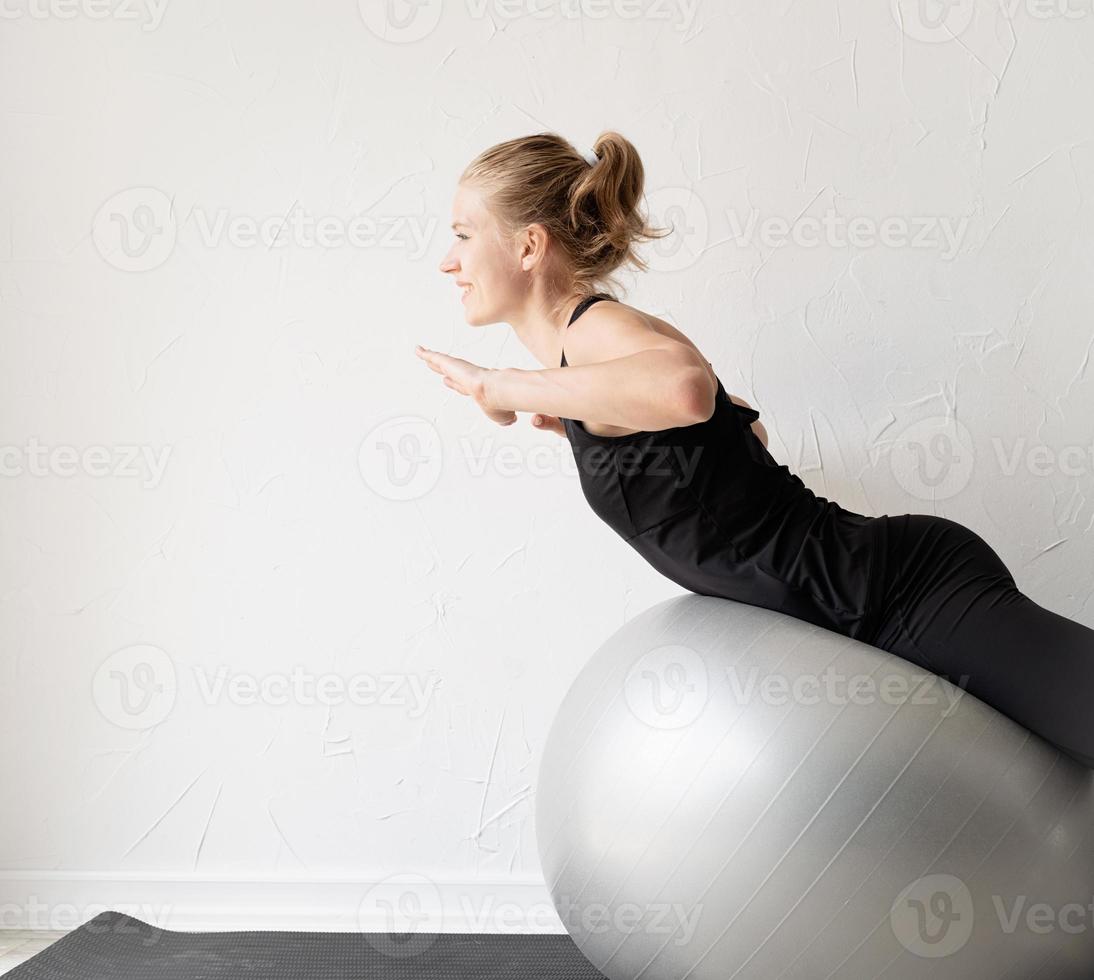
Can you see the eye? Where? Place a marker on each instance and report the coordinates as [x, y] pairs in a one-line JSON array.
[[461, 236]]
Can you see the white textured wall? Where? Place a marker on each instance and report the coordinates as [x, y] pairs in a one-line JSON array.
[[276, 484]]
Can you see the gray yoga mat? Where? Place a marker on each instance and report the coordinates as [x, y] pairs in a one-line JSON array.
[[114, 946]]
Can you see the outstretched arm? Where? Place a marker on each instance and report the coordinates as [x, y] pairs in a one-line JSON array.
[[652, 389]]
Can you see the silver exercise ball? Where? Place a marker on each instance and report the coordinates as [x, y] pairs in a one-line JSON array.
[[729, 793]]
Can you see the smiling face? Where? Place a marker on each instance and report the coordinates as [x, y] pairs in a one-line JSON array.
[[482, 263]]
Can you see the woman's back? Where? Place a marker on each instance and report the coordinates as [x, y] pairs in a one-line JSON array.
[[708, 507]]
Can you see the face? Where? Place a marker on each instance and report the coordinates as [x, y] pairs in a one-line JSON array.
[[486, 268]]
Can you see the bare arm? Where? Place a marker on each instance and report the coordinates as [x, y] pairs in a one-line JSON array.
[[651, 389], [757, 426]]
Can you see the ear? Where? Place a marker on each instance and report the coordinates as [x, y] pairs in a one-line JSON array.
[[533, 243]]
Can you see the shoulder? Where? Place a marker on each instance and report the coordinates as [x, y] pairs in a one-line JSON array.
[[611, 330]]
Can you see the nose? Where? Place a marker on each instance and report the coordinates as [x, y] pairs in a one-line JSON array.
[[448, 264]]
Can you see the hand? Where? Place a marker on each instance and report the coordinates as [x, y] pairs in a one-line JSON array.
[[549, 423], [467, 379]]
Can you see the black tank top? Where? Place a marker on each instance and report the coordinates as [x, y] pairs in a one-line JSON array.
[[709, 508]]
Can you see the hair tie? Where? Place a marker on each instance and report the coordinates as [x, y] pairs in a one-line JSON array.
[[590, 157]]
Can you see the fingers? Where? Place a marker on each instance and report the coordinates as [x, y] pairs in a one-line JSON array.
[[431, 358], [548, 423], [436, 360], [433, 365]]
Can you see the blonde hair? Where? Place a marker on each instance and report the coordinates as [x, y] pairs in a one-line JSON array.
[[590, 211]]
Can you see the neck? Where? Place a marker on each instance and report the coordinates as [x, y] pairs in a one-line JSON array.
[[541, 320]]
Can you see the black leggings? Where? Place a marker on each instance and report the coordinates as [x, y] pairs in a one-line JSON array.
[[951, 606]]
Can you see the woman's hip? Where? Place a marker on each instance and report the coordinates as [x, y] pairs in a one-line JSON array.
[[939, 574]]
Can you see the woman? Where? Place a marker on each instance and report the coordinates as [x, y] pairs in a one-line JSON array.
[[680, 469]]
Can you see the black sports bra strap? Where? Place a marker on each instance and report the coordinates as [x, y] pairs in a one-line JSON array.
[[583, 306], [578, 310]]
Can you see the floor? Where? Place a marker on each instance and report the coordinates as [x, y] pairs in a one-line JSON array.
[[17, 945]]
